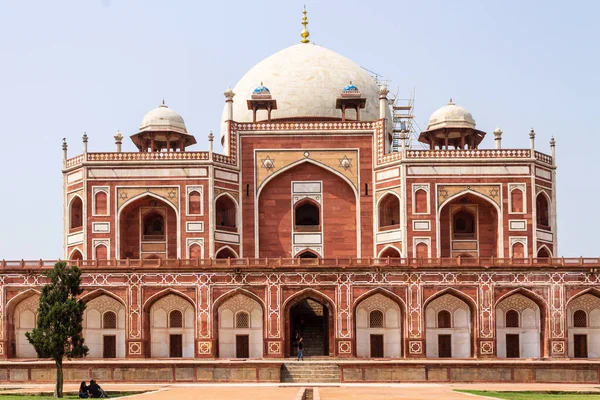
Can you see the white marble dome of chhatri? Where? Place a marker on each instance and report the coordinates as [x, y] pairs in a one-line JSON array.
[[451, 116], [163, 118], [305, 80]]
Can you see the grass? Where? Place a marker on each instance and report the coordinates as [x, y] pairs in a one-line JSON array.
[[48, 395], [535, 395]]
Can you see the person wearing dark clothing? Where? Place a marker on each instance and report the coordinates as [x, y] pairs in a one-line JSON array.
[[95, 390], [300, 348], [83, 391]]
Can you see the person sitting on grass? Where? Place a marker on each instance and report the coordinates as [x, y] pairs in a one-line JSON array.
[[83, 391], [95, 390]]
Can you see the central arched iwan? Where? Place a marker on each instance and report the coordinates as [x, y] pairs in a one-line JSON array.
[[276, 213]]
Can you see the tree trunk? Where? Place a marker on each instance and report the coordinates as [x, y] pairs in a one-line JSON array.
[[58, 391]]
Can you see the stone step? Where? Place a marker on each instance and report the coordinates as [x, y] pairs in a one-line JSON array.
[[310, 373]]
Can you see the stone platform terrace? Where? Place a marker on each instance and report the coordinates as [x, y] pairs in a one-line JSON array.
[[269, 371], [375, 391]]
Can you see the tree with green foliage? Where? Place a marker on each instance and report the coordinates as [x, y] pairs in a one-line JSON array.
[[58, 333]]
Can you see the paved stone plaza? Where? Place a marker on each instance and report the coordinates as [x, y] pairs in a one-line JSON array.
[[415, 391]]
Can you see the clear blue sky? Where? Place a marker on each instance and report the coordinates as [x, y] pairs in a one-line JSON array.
[[98, 66]]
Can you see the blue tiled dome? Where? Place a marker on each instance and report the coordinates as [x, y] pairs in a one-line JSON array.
[[350, 87], [261, 90]]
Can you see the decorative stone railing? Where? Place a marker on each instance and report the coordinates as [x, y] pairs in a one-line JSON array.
[[475, 153], [75, 161], [543, 157], [150, 156], [592, 264], [304, 126]]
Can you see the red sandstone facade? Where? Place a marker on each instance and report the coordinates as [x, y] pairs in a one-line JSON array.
[[316, 209]]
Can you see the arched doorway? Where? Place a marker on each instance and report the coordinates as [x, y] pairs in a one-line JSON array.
[[310, 316], [583, 316], [24, 320], [449, 327], [519, 327], [172, 323], [378, 327], [104, 327], [240, 328]]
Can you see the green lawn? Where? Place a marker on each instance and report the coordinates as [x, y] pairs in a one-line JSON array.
[[48, 395], [535, 395]]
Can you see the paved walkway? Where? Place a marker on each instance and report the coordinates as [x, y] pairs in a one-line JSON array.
[[401, 391]]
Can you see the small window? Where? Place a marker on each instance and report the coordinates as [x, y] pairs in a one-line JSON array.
[[376, 319], [176, 319], [512, 319], [444, 319], [542, 211], [389, 211], [194, 202], [154, 226], [101, 203], [109, 320], [307, 216], [580, 319], [242, 320], [101, 252], [225, 212], [76, 213], [420, 202], [516, 201], [464, 225]]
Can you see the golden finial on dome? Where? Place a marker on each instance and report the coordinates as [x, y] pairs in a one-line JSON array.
[[450, 102], [304, 32]]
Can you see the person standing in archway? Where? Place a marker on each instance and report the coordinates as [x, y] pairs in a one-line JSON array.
[[300, 348]]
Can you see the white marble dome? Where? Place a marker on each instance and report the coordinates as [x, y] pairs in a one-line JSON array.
[[305, 80], [163, 118], [451, 116]]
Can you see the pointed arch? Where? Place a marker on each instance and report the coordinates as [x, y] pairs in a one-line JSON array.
[[536, 298], [454, 292], [389, 247], [469, 191], [20, 297], [234, 292], [294, 164], [76, 211], [307, 253], [74, 256], [226, 248], [163, 293], [89, 296], [385, 292], [593, 291], [543, 248]]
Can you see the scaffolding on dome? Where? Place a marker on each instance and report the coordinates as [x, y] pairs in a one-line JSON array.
[[403, 117], [403, 121]]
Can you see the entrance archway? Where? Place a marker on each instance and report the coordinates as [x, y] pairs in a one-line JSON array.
[[311, 316]]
